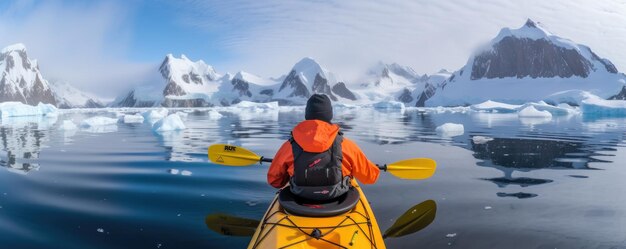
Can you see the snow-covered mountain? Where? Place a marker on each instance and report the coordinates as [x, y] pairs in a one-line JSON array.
[[528, 64], [21, 80], [308, 77], [68, 96], [189, 83], [395, 82]]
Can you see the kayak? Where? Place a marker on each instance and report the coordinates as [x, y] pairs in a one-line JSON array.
[[347, 222]]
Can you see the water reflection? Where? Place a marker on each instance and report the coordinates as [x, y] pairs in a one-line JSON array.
[[20, 148]]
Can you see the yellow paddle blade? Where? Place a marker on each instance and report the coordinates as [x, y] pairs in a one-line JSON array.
[[231, 155], [231, 225], [413, 169], [416, 218]]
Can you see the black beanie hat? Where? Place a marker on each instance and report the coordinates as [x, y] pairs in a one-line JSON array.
[[319, 107]]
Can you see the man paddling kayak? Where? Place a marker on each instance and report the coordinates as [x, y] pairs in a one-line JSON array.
[[317, 161]]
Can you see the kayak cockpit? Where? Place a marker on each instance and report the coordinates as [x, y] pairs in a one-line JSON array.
[[309, 208]]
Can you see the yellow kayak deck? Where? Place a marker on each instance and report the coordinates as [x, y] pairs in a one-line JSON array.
[[355, 229]]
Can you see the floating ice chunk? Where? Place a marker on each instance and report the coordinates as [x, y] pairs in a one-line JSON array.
[[170, 123], [185, 172], [98, 121], [68, 125], [450, 129], [154, 115], [173, 171], [554, 110], [214, 115], [389, 105], [18, 109], [136, 118], [487, 207], [100, 230], [254, 111], [598, 106], [252, 203], [253, 105], [481, 139], [451, 235], [531, 112], [493, 106]]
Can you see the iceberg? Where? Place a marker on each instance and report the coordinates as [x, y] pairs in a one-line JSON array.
[[493, 106], [154, 115], [169, 123], [450, 130], [481, 139], [254, 105], [135, 118], [247, 110], [560, 110], [98, 121], [389, 105], [531, 112], [18, 109], [214, 115], [597, 106]]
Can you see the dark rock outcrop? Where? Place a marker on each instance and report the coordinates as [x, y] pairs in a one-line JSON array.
[[320, 85], [405, 96], [342, 91], [292, 81], [131, 101], [429, 91], [524, 57], [241, 87]]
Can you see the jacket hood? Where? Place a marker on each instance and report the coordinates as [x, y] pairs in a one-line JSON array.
[[315, 135]]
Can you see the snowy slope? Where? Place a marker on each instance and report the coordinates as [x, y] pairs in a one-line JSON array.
[[528, 64], [188, 83], [391, 82], [308, 77], [244, 87], [21, 80], [68, 96]]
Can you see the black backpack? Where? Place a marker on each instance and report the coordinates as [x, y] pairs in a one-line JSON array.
[[318, 176]]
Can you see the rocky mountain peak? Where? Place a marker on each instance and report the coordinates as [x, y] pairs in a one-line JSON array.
[[21, 80], [530, 23]]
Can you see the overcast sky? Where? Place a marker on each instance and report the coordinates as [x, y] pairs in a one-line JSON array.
[[106, 47]]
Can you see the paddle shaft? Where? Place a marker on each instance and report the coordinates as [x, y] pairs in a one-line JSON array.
[[269, 160]]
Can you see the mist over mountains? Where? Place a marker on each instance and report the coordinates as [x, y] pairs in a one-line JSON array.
[[518, 65]]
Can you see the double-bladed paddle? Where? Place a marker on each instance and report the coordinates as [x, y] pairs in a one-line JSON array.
[[415, 219], [410, 169]]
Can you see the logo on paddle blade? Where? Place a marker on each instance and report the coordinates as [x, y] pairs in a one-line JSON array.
[[230, 148], [220, 159]]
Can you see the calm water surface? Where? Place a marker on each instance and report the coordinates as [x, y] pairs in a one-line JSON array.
[[530, 183]]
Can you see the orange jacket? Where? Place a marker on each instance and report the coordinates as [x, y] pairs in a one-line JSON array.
[[318, 136]]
